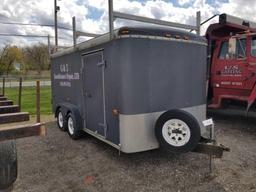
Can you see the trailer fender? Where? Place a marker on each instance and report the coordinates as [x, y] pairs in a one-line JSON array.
[[251, 98], [67, 108]]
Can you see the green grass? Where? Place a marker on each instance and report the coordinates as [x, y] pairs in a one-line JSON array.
[[28, 99]]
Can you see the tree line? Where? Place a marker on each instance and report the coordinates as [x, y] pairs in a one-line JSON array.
[[15, 59]]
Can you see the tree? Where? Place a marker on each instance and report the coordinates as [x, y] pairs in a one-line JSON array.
[[36, 57], [8, 56], [2, 56]]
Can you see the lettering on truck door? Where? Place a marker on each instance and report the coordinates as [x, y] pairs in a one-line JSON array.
[[230, 70]]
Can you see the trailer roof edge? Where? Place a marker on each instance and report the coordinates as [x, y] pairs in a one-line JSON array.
[[86, 44], [146, 31]]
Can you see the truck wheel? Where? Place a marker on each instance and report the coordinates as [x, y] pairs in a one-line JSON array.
[[177, 131], [73, 130], [8, 164], [61, 121]]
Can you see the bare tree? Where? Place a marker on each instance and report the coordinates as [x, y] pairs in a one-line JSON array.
[[37, 57]]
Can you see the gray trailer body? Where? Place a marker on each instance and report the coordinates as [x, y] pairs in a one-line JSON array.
[[140, 75]]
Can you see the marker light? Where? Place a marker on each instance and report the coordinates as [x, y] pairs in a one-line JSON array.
[[125, 32], [115, 112]]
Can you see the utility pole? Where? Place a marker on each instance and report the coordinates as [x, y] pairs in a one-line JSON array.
[[56, 9], [198, 22], [111, 18], [49, 45], [74, 30]]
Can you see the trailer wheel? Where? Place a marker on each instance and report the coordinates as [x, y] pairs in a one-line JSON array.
[[177, 131], [61, 121], [72, 128], [8, 164]]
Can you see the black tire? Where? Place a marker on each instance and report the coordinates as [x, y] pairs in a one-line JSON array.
[[62, 126], [74, 133], [8, 164], [190, 138]]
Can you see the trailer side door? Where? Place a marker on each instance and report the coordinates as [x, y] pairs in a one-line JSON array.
[[94, 93]]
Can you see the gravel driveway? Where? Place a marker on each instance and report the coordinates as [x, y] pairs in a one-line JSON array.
[[57, 163]]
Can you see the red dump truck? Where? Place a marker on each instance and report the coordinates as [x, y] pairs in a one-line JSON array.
[[231, 62]]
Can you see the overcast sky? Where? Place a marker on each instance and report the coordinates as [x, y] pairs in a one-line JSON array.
[[92, 15]]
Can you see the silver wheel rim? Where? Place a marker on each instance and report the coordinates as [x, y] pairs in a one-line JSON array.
[[60, 120], [176, 132], [71, 125]]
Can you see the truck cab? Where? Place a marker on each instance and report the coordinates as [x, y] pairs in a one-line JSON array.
[[231, 61]]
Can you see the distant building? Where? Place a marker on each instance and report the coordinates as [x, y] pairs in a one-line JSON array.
[[17, 66]]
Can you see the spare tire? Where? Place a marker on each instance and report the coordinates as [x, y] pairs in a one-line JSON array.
[[8, 164], [177, 131]]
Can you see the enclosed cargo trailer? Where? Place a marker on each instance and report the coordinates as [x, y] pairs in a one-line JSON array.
[[136, 88], [143, 89]]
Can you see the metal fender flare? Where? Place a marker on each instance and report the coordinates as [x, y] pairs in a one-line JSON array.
[[67, 108]]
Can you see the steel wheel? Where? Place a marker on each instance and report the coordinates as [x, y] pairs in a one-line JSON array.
[[71, 128], [176, 132], [61, 121]]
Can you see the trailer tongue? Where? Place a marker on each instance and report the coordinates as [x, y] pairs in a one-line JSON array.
[[211, 148]]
